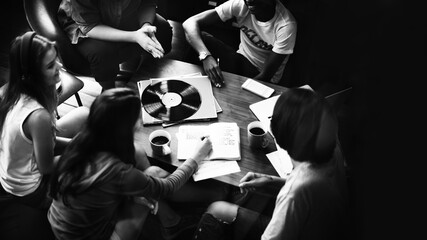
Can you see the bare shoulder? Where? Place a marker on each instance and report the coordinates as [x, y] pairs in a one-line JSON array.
[[39, 116], [39, 121]]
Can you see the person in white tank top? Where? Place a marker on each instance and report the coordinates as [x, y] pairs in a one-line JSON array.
[[29, 131]]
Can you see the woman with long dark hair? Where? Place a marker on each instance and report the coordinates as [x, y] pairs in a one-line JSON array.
[[99, 178], [28, 125]]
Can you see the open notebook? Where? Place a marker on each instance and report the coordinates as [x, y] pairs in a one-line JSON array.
[[225, 138]]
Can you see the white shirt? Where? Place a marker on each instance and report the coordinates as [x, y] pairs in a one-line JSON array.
[[258, 39], [311, 205], [19, 174]]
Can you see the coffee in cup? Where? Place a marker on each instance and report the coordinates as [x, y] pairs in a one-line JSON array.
[[257, 131], [257, 135], [160, 142]]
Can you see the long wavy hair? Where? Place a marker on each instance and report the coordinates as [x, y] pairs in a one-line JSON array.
[[109, 128], [305, 125], [33, 83]]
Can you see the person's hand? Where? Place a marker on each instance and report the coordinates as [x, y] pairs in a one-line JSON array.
[[211, 67], [251, 181], [146, 38], [203, 148], [151, 203]]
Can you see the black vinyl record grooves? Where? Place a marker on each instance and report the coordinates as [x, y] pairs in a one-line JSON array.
[[171, 100]]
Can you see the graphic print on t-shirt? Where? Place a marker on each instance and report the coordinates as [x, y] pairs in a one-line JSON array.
[[255, 39]]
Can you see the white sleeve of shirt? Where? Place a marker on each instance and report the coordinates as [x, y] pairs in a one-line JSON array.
[[285, 40], [284, 223], [230, 9]]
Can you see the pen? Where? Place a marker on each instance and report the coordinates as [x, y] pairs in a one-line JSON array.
[[219, 84], [203, 138]]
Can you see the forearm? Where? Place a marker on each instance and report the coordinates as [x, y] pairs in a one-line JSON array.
[[135, 182], [55, 160], [272, 189], [193, 35], [62, 142], [107, 33], [270, 67], [147, 15], [265, 74], [178, 178], [277, 182], [182, 173], [162, 186], [60, 145], [271, 184]]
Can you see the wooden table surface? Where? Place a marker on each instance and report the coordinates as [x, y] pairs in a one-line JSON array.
[[234, 102]]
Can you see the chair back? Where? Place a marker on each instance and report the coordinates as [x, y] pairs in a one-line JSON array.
[[42, 18]]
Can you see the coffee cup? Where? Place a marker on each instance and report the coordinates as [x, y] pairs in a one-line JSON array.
[[160, 142], [257, 135]]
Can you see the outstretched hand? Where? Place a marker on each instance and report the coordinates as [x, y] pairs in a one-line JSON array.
[[146, 38], [251, 181], [211, 67]]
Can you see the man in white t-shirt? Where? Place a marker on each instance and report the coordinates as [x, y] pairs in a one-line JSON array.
[[267, 38]]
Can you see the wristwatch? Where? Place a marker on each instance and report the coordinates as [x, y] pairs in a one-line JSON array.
[[203, 55]]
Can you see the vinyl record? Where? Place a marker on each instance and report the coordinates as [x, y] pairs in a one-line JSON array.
[[171, 100]]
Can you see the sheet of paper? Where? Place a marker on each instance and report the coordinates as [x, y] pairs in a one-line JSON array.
[[281, 161], [263, 110], [211, 169]]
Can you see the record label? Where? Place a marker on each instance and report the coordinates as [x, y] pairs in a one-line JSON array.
[[171, 100]]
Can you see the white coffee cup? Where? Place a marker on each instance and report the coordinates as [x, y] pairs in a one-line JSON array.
[[257, 135], [160, 142]]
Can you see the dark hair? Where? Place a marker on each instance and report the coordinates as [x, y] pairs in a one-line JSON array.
[[305, 125], [32, 84], [109, 128]]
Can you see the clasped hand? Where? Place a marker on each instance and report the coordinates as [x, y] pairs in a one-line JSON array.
[[146, 38]]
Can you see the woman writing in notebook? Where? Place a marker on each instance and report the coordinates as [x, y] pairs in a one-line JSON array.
[[99, 185]]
